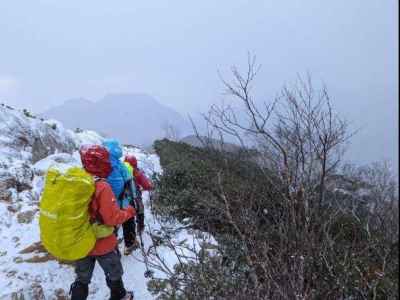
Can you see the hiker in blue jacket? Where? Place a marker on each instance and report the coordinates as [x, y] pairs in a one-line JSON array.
[[124, 189]]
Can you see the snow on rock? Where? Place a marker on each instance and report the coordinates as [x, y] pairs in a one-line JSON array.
[[88, 137], [59, 161], [28, 147], [28, 138]]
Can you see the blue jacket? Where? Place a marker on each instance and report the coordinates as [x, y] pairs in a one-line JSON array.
[[119, 174]]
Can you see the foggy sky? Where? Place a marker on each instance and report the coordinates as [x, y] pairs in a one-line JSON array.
[[54, 50]]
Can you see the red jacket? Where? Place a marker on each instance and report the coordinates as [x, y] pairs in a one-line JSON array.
[[142, 181], [104, 204]]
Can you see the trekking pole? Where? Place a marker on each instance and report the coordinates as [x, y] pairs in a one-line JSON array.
[[148, 273], [151, 200]]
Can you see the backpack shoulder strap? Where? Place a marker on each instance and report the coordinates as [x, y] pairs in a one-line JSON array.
[[98, 218]]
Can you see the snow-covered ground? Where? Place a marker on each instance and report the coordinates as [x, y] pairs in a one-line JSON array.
[[25, 268], [17, 275]]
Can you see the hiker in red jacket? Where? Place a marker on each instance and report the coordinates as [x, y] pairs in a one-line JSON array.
[[141, 180], [142, 184], [95, 160]]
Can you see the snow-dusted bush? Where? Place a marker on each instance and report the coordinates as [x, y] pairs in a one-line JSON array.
[[288, 222]]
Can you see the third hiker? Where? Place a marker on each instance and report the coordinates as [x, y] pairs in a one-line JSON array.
[[142, 184]]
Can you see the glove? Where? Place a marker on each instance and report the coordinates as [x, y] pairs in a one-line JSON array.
[[140, 222], [131, 210]]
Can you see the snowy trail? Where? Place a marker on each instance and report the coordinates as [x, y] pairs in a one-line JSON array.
[[16, 275], [28, 147]]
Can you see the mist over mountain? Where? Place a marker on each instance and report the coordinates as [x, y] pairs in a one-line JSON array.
[[136, 119]]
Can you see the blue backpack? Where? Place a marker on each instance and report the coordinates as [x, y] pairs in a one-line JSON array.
[[119, 179]]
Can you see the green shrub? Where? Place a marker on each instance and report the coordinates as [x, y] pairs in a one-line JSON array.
[[28, 114], [344, 248]]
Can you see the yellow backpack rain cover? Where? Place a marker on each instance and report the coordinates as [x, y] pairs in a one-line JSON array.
[[65, 230]]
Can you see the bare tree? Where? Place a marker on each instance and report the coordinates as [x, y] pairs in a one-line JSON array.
[[299, 239], [298, 136]]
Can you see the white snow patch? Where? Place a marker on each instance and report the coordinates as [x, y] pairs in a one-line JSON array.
[[88, 137], [59, 161]]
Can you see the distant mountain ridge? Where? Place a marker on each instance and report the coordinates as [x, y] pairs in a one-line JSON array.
[[136, 119]]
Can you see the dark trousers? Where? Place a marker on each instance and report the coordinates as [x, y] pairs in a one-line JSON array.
[[112, 267], [129, 230], [110, 263]]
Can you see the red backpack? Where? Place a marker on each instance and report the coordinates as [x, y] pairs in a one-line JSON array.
[[96, 160]]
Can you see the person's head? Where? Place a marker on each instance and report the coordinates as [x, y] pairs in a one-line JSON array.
[[96, 160], [131, 159], [114, 147]]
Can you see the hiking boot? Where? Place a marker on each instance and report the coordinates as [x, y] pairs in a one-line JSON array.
[[79, 291], [130, 249], [117, 290], [128, 296]]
